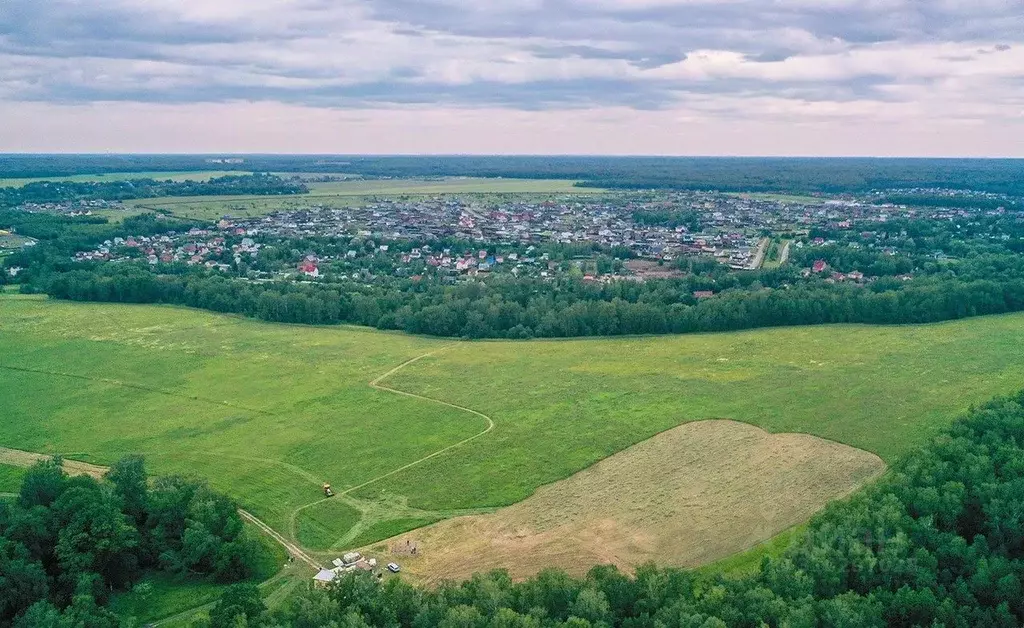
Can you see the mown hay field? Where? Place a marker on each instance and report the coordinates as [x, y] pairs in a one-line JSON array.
[[268, 412], [690, 496]]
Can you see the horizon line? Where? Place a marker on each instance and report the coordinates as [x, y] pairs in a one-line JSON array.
[[503, 155]]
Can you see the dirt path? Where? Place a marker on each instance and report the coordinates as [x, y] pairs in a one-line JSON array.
[[376, 385], [297, 470], [18, 458], [292, 548], [784, 257]]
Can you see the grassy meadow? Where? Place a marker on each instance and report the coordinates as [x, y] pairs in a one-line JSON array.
[[12, 241], [561, 405], [268, 412]]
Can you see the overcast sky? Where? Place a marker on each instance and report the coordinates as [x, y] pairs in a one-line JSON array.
[[686, 77]]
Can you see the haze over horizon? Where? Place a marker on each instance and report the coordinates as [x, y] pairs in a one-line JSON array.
[[610, 77]]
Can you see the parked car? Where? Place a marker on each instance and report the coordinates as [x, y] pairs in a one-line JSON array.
[[394, 568]]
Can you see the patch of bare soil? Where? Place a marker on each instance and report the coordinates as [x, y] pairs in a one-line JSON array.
[[687, 497], [18, 458]]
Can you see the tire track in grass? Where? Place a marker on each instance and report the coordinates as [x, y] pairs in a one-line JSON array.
[[287, 466], [377, 385], [292, 548]]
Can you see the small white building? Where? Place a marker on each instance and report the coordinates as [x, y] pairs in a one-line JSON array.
[[324, 577]]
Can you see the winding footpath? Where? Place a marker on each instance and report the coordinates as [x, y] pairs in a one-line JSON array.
[[22, 458], [376, 385]]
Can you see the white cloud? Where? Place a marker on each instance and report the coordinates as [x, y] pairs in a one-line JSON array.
[[661, 68]]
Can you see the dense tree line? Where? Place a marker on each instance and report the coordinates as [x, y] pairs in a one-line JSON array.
[[63, 191], [800, 175], [938, 542], [506, 307], [66, 543]]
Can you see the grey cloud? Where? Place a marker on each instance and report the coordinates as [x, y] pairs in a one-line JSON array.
[[700, 23], [644, 58], [63, 29], [406, 86], [47, 40]]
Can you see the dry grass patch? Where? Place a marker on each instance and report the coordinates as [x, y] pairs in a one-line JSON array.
[[689, 496], [18, 458]]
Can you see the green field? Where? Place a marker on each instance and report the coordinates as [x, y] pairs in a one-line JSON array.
[[353, 193], [268, 412], [204, 175]]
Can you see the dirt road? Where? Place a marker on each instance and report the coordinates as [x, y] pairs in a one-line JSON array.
[[762, 250], [784, 257], [292, 548]]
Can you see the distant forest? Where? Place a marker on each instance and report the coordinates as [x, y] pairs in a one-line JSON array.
[[64, 191], [799, 175]]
